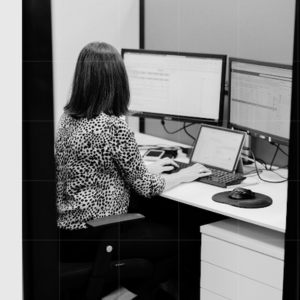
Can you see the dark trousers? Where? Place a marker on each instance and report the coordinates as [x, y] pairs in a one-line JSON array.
[[175, 253]]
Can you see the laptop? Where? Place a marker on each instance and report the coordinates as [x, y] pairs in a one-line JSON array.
[[218, 149]]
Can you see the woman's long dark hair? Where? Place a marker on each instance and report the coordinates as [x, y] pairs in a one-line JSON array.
[[100, 83]]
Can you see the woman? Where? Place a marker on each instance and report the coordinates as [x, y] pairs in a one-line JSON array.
[[98, 162]]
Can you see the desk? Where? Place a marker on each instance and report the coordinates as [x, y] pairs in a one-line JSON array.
[[239, 260], [241, 257], [199, 194]]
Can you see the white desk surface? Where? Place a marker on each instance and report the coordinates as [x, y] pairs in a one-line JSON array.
[[200, 194]]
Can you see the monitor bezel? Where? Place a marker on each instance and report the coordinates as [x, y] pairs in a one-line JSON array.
[[251, 131], [181, 118]]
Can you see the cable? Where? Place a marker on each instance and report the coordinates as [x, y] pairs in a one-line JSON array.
[[283, 152], [256, 169], [184, 128], [277, 147], [262, 162], [269, 170], [274, 171], [253, 160]]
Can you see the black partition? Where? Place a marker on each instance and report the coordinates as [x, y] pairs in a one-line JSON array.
[[292, 235], [40, 235]]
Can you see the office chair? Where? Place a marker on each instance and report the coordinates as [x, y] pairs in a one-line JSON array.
[[86, 280]]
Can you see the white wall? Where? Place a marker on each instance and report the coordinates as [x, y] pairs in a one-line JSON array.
[[254, 29], [11, 150], [76, 23]]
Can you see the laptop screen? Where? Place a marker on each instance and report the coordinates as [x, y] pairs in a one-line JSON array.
[[218, 147]]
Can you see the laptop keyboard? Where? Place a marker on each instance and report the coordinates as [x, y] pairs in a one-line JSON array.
[[218, 178]]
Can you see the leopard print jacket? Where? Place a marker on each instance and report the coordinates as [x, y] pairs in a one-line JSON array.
[[97, 163]]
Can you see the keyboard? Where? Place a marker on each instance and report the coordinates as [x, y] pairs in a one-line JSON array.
[[218, 178]]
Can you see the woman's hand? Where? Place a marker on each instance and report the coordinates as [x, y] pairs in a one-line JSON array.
[[185, 175], [193, 172], [162, 165]]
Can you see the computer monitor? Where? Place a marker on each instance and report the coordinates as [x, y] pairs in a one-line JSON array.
[[259, 96], [175, 85]]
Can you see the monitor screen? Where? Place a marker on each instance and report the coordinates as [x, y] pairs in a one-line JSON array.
[[260, 99], [176, 86]]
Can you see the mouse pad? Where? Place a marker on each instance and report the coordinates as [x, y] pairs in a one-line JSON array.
[[259, 200]]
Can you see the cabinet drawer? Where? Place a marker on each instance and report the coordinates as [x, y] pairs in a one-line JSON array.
[[243, 261], [207, 295], [234, 286]]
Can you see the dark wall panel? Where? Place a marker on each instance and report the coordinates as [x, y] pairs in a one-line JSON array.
[[292, 242], [40, 246]]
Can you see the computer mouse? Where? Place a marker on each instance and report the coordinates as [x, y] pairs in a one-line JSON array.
[[241, 194]]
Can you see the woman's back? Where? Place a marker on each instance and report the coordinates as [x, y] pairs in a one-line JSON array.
[[97, 162]]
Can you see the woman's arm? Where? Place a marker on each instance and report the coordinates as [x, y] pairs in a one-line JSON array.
[[146, 182], [185, 175], [127, 156], [162, 165]]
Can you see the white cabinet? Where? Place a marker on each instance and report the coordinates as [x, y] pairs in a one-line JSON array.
[[241, 261]]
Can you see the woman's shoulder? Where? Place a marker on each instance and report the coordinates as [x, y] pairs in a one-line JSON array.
[[64, 120], [100, 124], [115, 122]]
